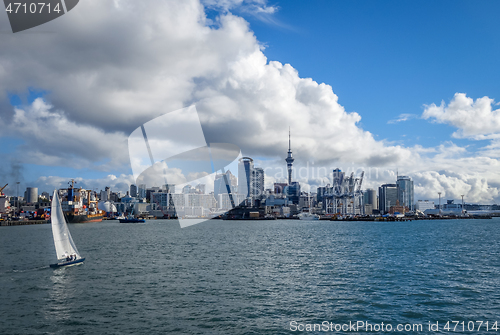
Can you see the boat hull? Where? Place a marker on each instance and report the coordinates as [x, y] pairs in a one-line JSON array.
[[69, 263], [72, 218], [132, 220]]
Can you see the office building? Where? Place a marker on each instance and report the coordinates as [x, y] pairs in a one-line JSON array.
[[257, 182], [387, 197], [133, 191], [405, 192], [220, 183], [141, 191], [370, 198], [245, 168]]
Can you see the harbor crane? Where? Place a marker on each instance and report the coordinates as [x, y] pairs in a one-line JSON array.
[[1, 189]]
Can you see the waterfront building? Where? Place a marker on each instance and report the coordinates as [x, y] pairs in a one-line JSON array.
[[405, 192], [289, 159], [224, 202], [133, 191], [387, 197], [201, 200], [31, 195], [423, 205]]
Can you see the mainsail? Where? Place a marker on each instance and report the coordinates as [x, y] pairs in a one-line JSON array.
[[62, 238]]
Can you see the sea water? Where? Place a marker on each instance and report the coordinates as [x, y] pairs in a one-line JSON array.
[[260, 277]]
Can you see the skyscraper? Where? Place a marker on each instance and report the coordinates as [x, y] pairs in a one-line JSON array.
[[257, 182], [220, 184], [245, 168], [387, 197], [133, 191], [405, 192], [289, 160], [370, 198], [141, 191]]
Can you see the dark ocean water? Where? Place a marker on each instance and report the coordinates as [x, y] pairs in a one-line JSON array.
[[240, 277]]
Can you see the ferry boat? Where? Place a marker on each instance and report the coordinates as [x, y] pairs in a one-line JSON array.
[[78, 206]]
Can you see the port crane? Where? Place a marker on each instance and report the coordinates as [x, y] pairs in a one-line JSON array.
[[1, 189]]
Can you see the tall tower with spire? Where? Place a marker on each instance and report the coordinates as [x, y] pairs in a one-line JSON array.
[[289, 160]]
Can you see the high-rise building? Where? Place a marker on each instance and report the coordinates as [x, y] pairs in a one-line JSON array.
[[220, 183], [245, 168], [370, 198], [387, 197], [141, 191], [289, 159], [257, 182], [405, 192], [133, 191], [292, 192]]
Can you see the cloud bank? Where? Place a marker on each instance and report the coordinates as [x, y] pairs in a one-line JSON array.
[[109, 67]]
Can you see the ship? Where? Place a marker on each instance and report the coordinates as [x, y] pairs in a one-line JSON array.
[[78, 206]]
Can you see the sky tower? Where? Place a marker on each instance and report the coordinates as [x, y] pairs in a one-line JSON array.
[[289, 160]]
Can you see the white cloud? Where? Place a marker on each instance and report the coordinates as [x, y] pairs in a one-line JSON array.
[[109, 67], [51, 139], [402, 118], [474, 119]]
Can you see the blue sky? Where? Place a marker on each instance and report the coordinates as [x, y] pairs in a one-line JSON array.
[[386, 58]]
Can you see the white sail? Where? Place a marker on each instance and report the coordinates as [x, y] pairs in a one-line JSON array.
[[62, 238]]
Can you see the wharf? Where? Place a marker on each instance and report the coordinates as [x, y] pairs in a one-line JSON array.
[[23, 223]]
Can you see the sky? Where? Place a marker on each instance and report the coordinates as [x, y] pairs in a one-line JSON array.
[[386, 87]]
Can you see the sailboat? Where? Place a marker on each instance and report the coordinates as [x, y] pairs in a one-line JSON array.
[[66, 251]]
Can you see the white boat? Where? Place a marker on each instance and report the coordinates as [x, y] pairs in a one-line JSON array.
[[308, 216], [66, 251]]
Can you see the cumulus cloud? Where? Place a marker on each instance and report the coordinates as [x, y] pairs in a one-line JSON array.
[[109, 67], [474, 119], [113, 66], [51, 139], [119, 183]]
